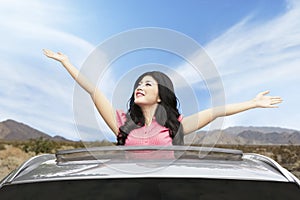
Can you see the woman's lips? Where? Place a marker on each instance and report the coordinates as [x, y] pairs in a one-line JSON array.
[[139, 94]]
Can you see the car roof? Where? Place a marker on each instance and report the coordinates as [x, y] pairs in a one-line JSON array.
[[150, 162]]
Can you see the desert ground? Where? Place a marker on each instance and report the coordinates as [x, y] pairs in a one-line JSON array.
[[13, 155]]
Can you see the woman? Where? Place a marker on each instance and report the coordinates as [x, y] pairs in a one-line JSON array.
[[153, 117]]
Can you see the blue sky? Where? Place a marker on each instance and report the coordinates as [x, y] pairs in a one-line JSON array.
[[254, 45]]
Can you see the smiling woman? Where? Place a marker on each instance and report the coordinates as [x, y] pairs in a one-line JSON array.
[[146, 92], [153, 117]]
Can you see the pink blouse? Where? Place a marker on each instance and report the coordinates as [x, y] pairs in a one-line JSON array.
[[152, 135]]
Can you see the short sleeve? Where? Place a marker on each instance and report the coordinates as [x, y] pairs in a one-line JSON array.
[[121, 118], [180, 118]]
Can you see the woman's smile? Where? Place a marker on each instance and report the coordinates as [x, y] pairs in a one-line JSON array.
[[139, 94]]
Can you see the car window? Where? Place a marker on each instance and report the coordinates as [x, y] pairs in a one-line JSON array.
[[152, 188]]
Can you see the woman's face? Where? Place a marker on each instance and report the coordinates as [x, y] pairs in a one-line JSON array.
[[146, 92]]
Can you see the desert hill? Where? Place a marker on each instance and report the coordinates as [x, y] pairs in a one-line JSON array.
[[246, 135], [15, 131], [11, 130]]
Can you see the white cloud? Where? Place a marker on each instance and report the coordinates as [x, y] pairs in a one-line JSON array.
[[253, 56], [34, 89]]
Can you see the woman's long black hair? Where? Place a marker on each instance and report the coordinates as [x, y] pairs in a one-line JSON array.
[[166, 113]]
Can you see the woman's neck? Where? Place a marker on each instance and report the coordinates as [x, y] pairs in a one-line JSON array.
[[149, 112]]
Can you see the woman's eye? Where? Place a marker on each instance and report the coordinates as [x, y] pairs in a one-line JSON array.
[[148, 84]]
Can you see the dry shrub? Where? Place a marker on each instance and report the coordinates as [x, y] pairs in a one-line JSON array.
[[11, 158], [2, 147]]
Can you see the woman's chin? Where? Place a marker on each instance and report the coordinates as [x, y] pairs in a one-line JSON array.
[[139, 103]]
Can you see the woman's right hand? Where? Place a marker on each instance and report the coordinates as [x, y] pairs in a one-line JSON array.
[[56, 56]]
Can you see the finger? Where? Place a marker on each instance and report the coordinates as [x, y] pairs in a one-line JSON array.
[[45, 51], [276, 97], [279, 99], [265, 92], [275, 101]]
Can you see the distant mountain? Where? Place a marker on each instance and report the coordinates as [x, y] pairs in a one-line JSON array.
[[13, 130], [238, 129], [245, 135]]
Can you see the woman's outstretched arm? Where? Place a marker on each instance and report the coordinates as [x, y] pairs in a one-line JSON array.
[[102, 104], [201, 119]]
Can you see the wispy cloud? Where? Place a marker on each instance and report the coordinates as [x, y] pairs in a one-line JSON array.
[[34, 89], [253, 56]]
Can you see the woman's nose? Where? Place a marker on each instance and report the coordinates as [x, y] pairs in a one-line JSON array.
[[140, 86]]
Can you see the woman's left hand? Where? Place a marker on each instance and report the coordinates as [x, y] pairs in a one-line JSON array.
[[263, 101]]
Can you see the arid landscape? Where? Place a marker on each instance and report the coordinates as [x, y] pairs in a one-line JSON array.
[[13, 154], [287, 156], [19, 142]]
